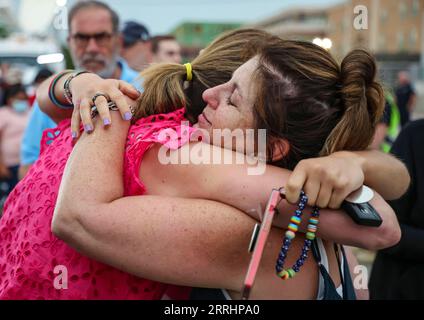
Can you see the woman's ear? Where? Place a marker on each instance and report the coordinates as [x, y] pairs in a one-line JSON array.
[[280, 149]]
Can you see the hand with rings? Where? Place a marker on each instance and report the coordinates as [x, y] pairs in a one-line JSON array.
[[94, 96], [112, 107], [99, 95]]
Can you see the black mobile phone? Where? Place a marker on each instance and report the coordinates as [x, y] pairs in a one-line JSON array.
[[357, 206], [363, 214]]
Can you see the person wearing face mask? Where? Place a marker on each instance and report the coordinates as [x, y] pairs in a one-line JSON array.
[[94, 42], [13, 120]]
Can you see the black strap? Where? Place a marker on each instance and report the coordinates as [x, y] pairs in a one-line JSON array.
[[315, 251], [339, 265], [348, 288], [330, 291]]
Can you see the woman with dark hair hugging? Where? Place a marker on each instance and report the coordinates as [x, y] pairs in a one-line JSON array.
[[190, 227]]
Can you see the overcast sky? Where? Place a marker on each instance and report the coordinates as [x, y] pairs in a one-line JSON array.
[[161, 16]]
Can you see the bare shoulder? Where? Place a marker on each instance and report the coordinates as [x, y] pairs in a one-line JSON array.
[[179, 172]]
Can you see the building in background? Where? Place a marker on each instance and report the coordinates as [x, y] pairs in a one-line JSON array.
[[394, 26], [395, 32], [8, 22], [194, 36], [36, 16], [299, 23], [30, 43]]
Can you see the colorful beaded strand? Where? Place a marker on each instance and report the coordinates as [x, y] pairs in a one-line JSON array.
[[291, 234], [310, 236]]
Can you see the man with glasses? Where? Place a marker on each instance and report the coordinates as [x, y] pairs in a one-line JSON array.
[[94, 42]]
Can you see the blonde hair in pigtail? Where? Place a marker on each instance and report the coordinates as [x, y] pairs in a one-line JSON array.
[[163, 89]]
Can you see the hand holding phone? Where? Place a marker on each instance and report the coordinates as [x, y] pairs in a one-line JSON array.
[[356, 206]]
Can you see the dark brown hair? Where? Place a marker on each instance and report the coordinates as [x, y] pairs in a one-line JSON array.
[[306, 98]]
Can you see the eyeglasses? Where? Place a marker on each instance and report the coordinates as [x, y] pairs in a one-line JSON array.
[[102, 39]]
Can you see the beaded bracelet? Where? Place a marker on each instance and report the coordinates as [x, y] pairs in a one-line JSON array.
[[52, 88], [292, 228]]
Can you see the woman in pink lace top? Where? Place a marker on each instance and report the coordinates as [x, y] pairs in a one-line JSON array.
[[30, 253]]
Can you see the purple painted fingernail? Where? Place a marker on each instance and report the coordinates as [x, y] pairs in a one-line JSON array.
[[106, 122], [74, 135], [88, 128], [127, 116]]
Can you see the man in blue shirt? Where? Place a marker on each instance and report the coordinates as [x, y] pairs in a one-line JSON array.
[[94, 42]]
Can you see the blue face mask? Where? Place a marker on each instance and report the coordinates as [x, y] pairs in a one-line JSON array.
[[20, 106]]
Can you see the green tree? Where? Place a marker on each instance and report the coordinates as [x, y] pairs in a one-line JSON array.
[[4, 32], [68, 58]]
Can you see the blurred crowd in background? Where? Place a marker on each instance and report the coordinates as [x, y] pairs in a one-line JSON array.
[[114, 52], [395, 34]]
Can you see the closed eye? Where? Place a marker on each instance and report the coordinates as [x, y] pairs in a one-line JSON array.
[[229, 100], [230, 103]]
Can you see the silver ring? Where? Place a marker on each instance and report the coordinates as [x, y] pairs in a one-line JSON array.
[[112, 106], [94, 112], [100, 95]]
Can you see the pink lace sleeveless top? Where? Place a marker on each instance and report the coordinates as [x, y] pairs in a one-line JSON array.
[[33, 260]]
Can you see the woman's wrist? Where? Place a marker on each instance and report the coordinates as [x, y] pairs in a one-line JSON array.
[[357, 156], [55, 90]]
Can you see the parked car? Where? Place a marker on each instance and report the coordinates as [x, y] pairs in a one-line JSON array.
[[30, 55]]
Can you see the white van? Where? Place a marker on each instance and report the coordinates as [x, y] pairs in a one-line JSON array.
[[30, 55]]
